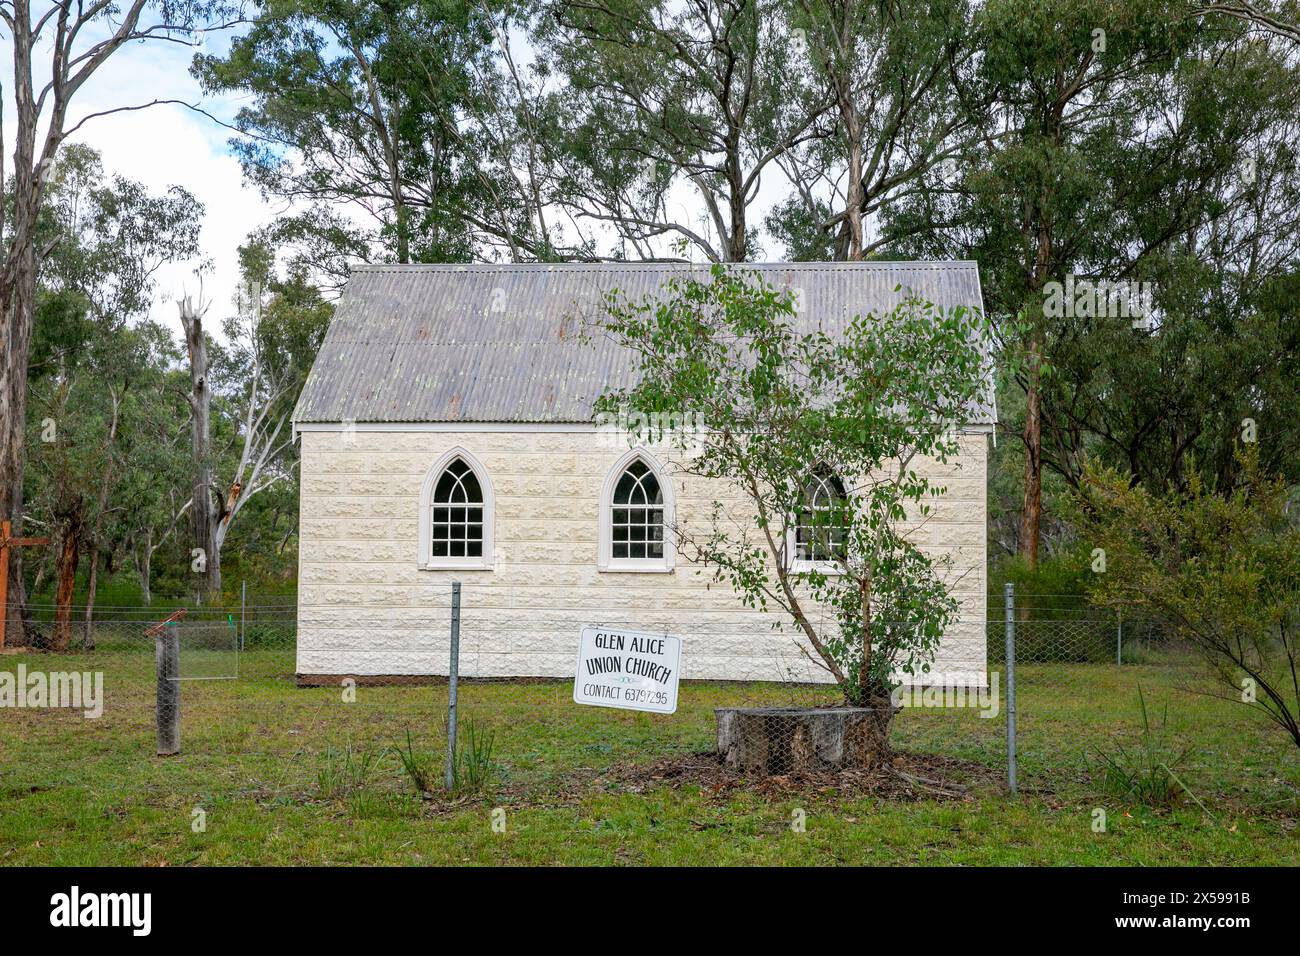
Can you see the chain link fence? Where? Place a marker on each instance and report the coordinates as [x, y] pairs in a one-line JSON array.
[[1093, 695], [346, 703]]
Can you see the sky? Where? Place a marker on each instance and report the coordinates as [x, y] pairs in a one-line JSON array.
[[162, 146]]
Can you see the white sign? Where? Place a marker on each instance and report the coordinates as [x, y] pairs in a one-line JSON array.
[[628, 670]]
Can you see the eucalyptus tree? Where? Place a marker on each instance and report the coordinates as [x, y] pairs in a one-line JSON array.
[[1113, 137], [241, 396], [105, 240], [891, 69], [664, 100], [58, 49], [401, 130]]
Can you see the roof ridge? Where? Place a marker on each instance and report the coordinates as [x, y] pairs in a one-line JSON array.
[[647, 264]]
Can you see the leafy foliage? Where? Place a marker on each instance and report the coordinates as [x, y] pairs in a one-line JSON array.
[[779, 403], [1221, 569]]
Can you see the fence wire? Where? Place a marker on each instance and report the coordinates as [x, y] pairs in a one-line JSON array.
[[346, 702]]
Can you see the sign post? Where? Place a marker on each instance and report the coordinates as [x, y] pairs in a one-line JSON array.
[[628, 670]]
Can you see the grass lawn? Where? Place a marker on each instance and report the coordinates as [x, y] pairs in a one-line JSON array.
[[288, 775]]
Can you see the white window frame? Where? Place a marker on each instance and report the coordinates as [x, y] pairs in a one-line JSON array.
[[796, 565], [605, 561], [425, 558]]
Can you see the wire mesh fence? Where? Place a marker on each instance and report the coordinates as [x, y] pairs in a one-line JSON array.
[[1087, 686], [343, 702]]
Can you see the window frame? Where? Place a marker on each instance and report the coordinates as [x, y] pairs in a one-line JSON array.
[[605, 560], [425, 558], [797, 565]]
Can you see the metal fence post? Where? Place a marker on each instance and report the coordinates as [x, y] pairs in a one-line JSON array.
[[1119, 637], [167, 657], [243, 610], [453, 672], [1010, 669]]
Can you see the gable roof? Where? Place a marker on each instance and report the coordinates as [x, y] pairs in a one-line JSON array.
[[504, 343]]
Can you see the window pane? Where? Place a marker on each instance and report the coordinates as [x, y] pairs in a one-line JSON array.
[[472, 490], [652, 493], [636, 514], [456, 523], [446, 483], [623, 490], [458, 483]]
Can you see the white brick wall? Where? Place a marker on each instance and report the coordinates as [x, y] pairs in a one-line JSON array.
[[366, 608]]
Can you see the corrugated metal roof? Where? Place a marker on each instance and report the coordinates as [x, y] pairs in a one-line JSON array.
[[517, 343]]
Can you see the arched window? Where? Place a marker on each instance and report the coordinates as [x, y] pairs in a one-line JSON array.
[[819, 527], [456, 514], [635, 514]]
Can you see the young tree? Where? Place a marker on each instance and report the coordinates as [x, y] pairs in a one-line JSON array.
[[1221, 568], [821, 435]]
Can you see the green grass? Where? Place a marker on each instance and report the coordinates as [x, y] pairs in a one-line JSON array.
[[289, 775]]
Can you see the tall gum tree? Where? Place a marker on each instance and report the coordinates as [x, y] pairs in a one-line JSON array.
[[58, 48]]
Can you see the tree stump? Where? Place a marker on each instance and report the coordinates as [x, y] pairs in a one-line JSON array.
[[781, 740]]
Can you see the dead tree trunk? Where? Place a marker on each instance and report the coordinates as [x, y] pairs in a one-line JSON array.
[[204, 510]]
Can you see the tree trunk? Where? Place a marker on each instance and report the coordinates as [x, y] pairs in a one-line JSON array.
[[18, 302], [855, 193], [203, 509], [144, 567], [1032, 503], [66, 576], [101, 505], [772, 741]]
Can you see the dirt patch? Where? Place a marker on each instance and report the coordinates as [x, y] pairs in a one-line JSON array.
[[907, 776]]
